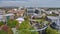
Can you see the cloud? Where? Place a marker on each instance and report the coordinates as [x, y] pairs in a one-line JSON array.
[[15, 3], [32, 3], [12, 3], [13, 0]]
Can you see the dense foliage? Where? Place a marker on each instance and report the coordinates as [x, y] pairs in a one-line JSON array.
[[3, 32], [26, 31], [5, 28], [1, 23], [12, 23], [10, 31], [25, 28], [25, 25], [49, 30]]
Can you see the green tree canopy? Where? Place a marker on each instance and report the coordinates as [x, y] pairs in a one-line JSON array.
[[12, 23], [49, 30], [25, 28], [3, 32], [27, 32]]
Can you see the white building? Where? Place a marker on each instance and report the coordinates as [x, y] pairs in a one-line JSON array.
[[48, 12], [2, 12], [6, 16], [33, 11], [56, 20], [30, 11]]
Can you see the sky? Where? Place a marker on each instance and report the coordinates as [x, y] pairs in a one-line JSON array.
[[30, 3]]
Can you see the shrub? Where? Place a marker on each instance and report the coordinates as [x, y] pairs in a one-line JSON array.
[[1, 23], [3, 32], [4, 27], [25, 28], [24, 25], [27, 32], [10, 31], [12, 23], [49, 30]]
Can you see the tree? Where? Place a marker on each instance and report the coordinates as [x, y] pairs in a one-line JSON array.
[[12, 23], [10, 31], [4, 27], [24, 25], [25, 28], [27, 32], [1, 23], [49, 30], [3, 32]]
